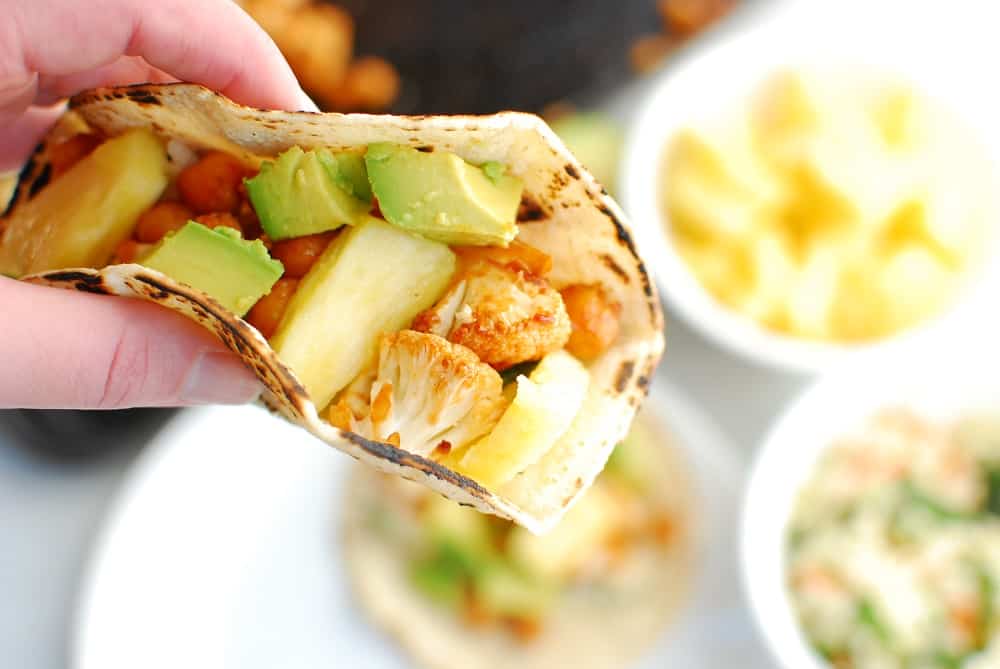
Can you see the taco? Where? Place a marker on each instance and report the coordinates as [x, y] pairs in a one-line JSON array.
[[457, 589], [450, 299]]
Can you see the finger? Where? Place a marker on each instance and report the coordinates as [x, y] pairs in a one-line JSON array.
[[23, 126], [123, 71], [79, 351], [213, 43], [20, 133]]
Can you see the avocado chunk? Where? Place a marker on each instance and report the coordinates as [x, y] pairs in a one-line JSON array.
[[441, 197], [308, 192], [218, 262], [350, 174], [373, 278], [443, 575], [82, 216]]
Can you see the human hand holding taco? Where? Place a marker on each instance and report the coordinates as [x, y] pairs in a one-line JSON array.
[[450, 299], [66, 350]]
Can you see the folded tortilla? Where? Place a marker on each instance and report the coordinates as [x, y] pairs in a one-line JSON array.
[[564, 212]]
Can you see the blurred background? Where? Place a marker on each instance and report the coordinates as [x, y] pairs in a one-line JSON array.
[[828, 234]]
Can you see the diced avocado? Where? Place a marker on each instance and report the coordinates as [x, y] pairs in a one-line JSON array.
[[80, 218], [233, 271], [349, 172], [440, 196], [596, 141], [443, 576], [308, 192], [504, 591], [373, 278]]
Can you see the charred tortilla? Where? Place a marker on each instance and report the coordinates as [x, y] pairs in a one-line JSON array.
[[564, 212]]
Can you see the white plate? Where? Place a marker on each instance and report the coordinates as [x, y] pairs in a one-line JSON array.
[[221, 551]]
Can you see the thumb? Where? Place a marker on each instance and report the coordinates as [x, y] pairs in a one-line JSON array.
[[77, 351]]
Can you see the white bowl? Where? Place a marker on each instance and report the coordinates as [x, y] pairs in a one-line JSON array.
[[939, 383], [899, 39]]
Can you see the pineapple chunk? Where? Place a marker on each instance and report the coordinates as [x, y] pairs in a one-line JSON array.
[[373, 278], [79, 219], [542, 410]]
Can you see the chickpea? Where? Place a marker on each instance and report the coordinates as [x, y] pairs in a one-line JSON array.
[[161, 218], [370, 84], [299, 254], [66, 154], [525, 629], [212, 183], [317, 40], [219, 219], [129, 251], [267, 313], [687, 17], [595, 320], [248, 220], [533, 260]]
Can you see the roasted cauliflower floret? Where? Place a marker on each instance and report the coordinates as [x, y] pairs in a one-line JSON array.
[[427, 396], [504, 313]]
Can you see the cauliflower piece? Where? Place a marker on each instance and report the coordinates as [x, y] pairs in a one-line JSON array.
[[503, 312], [427, 396]]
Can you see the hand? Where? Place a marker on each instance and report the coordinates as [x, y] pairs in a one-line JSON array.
[[71, 350]]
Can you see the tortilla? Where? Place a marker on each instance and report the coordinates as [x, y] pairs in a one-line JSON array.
[[564, 212], [605, 626]]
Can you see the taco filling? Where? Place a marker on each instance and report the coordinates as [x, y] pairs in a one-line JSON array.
[[466, 590], [389, 278]]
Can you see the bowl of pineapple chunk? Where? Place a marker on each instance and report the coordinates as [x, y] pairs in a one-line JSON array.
[[804, 197]]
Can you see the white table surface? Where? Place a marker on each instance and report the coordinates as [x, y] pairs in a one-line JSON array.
[[49, 513]]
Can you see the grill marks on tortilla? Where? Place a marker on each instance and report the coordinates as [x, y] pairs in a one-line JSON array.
[[610, 263], [236, 335], [625, 239], [409, 460], [530, 210], [624, 375], [82, 281]]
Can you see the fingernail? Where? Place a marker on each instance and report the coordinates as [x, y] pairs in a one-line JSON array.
[[219, 378], [306, 103]]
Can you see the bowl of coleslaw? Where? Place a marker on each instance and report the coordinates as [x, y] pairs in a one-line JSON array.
[[871, 526]]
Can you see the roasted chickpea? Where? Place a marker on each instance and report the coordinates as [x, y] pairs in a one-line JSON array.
[[66, 154], [161, 218], [595, 319], [687, 17], [317, 40], [370, 84], [212, 184], [533, 260], [267, 313], [247, 217], [525, 629], [299, 254], [219, 219], [129, 251]]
